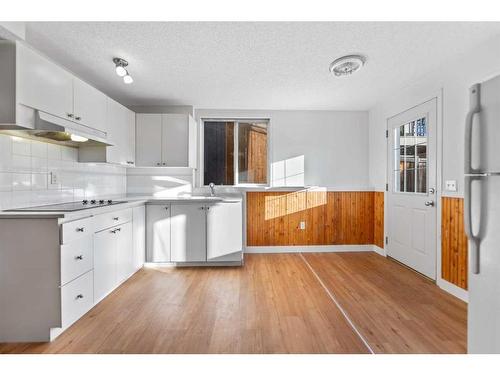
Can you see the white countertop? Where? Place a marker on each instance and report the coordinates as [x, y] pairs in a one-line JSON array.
[[130, 201]]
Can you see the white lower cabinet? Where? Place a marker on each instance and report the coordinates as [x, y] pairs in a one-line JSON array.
[[77, 297], [139, 234], [194, 232], [188, 233], [124, 252], [224, 232], [158, 233], [105, 258]]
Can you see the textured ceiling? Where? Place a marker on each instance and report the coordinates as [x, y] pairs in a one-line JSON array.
[[253, 65]]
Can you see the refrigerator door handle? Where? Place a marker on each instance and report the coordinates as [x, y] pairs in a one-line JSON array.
[[473, 240], [475, 108]]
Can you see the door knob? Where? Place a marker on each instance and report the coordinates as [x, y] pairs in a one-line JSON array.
[[429, 203]]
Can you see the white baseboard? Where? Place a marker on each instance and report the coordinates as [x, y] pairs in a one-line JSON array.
[[453, 289], [379, 250], [307, 249]]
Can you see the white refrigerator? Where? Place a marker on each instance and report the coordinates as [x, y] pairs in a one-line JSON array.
[[482, 215]]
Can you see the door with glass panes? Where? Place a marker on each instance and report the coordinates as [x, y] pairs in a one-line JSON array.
[[411, 196]]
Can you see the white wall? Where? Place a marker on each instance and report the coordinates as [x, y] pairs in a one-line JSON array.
[[334, 144], [24, 175], [453, 80], [160, 182]]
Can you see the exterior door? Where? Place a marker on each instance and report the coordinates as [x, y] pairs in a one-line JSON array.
[[412, 188]]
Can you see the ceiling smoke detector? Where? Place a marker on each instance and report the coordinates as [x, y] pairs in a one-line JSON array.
[[347, 65]]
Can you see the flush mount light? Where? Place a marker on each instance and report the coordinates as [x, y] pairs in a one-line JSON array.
[[120, 65], [347, 65]]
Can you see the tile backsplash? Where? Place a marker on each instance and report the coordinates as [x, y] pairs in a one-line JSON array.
[[33, 173]]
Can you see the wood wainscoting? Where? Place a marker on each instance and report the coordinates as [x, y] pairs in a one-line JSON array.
[[331, 218], [454, 264], [378, 219]]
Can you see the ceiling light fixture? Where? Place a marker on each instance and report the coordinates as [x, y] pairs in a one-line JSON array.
[[347, 65], [120, 65], [127, 78]]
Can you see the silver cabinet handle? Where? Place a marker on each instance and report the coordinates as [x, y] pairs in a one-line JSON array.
[[432, 191], [130, 162], [158, 163], [118, 229], [475, 108], [116, 218], [70, 115], [429, 203], [78, 118], [166, 208], [202, 208], [164, 163], [80, 229], [473, 239], [79, 257], [79, 296]]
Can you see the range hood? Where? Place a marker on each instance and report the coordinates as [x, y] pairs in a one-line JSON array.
[[53, 129]]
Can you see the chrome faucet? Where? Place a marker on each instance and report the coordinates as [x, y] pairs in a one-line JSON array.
[[212, 189]]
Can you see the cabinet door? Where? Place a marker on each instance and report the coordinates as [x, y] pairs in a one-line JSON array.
[[224, 231], [139, 224], [43, 85], [89, 105], [105, 278], [188, 225], [114, 135], [130, 137], [148, 140], [175, 140], [158, 233], [125, 251]]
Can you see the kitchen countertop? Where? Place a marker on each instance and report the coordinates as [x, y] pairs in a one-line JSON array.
[[130, 201]]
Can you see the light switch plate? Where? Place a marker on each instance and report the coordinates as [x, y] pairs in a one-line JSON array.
[[302, 225], [451, 185]]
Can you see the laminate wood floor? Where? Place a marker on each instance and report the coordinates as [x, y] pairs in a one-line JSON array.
[[274, 304]]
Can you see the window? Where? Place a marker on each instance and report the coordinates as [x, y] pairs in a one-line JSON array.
[[410, 157], [235, 152]]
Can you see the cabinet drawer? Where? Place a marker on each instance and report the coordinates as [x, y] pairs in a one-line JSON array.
[[76, 258], [111, 219], [77, 298], [76, 230]]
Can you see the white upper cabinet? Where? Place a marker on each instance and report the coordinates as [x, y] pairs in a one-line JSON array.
[[175, 138], [148, 140], [121, 133], [165, 140], [43, 85], [120, 130], [89, 105]]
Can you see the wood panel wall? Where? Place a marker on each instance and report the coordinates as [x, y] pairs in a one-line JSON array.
[[331, 218], [454, 262], [378, 220]]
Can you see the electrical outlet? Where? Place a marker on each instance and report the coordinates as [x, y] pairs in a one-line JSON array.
[[54, 178], [451, 185], [302, 225]]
